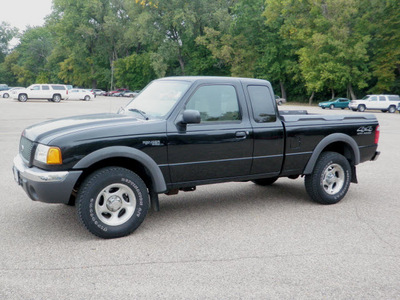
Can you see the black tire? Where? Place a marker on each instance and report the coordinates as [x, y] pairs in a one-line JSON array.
[[331, 106], [22, 97], [361, 108], [280, 103], [87, 98], [265, 181], [6, 95], [330, 179], [392, 109], [56, 98], [124, 209]]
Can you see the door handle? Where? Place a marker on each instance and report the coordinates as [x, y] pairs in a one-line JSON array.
[[241, 134]]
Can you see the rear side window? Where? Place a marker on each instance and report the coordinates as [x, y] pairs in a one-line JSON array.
[[45, 87], [58, 87], [262, 104], [394, 98], [382, 98]]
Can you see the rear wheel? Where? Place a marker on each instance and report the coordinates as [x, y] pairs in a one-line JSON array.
[[87, 98], [112, 202], [331, 106], [56, 98], [361, 108], [265, 181], [392, 109], [330, 180]]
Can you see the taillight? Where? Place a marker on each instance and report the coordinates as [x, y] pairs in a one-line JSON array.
[[377, 133]]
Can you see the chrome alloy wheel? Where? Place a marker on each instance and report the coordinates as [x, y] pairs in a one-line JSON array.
[[333, 179], [115, 204]]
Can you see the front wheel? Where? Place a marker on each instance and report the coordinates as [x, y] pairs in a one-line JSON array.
[[361, 108], [6, 95], [112, 202], [22, 97], [330, 180]]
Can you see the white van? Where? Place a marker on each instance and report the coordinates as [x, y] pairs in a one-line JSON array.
[[51, 92], [378, 102]]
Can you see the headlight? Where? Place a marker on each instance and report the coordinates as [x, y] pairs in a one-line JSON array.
[[48, 155]]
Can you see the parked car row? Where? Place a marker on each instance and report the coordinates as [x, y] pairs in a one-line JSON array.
[[122, 93], [385, 103], [50, 92]]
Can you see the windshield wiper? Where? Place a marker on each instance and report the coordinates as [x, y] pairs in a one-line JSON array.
[[140, 112]]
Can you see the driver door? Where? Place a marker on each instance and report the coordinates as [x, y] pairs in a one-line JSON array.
[[220, 146]]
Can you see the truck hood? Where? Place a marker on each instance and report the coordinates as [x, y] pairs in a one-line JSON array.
[[93, 125]]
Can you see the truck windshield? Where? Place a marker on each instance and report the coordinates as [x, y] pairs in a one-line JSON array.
[[157, 99]]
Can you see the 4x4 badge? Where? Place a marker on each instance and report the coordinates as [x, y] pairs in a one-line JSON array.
[[365, 130]]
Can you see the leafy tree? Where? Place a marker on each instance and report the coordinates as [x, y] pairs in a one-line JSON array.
[[134, 71], [332, 53], [380, 20], [7, 33]]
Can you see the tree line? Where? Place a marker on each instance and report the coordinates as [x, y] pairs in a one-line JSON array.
[[308, 49]]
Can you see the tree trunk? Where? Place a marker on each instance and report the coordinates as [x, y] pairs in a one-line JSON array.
[[181, 62], [350, 88], [333, 93], [283, 91], [311, 98]]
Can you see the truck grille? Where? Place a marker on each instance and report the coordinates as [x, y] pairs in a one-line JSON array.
[[25, 148]]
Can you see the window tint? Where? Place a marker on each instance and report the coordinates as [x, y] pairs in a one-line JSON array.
[[382, 98], [216, 103], [262, 103], [58, 87], [45, 87], [373, 98], [36, 88]]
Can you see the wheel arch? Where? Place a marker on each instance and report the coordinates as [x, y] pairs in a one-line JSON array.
[[336, 142], [126, 157]]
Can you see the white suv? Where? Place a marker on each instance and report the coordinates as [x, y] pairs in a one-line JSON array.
[[379, 102], [51, 92]]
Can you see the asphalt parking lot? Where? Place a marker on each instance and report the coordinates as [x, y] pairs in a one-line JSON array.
[[225, 241]]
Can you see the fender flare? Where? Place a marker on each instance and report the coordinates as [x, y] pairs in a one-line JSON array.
[[127, 152], [326, 141]]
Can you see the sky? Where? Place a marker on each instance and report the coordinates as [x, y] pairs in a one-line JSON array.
[[21, 13]]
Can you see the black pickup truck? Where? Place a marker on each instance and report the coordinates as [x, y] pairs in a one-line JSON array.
[[181, 132]]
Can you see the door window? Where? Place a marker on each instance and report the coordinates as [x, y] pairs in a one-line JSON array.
[[216, 103]]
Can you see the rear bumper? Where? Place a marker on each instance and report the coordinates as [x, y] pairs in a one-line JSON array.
[[376, 155], [44, 186]]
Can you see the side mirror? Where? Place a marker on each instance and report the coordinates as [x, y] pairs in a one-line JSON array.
[[191, 117]]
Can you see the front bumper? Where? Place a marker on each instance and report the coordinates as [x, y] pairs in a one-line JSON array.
[[45, 186]]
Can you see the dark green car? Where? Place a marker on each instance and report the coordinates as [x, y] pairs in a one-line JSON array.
[[335, 103]]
